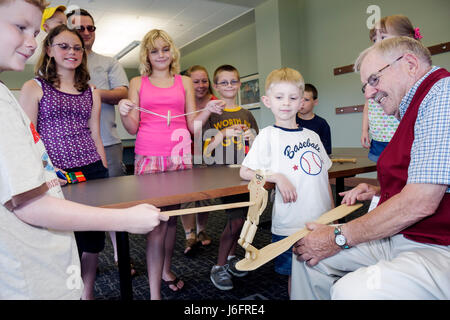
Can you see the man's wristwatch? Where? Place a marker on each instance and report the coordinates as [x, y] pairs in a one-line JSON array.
[[340, 239]]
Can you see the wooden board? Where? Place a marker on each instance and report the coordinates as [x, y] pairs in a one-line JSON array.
[[273, 250], [436, 49], [350, 109]]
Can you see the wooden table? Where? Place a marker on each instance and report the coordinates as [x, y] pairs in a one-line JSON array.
[[160, 189], [169, 188], [340, 171]]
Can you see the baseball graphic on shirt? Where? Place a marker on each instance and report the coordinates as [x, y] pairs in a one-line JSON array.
[[311, 163]]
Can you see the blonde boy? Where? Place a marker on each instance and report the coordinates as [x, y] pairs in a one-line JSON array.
[[294, 159], [38, 256]]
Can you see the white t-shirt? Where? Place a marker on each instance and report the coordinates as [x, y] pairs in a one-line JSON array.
[[299, 155], [35, 263]]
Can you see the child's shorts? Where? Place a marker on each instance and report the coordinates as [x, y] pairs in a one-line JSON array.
[[90, 241], [236, 213], [376, 148], [283, 263], [153, 164]]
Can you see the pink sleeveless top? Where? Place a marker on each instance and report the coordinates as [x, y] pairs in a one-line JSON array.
[[155, 137]]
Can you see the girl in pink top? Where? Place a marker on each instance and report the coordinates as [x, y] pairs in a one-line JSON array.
[[163, 141]]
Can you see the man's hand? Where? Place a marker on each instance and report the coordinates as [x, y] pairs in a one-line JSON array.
[[361, 192], [317, 245]]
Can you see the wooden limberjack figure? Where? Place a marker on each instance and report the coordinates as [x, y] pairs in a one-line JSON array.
[[258, 196]]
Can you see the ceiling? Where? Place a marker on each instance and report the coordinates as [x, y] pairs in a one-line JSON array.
[[121, 22]]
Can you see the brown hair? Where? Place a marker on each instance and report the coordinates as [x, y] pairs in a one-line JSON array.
[[398, 25], [80, 12], [41, 4], [225, 67], [310, 88], [46, 66], [148, 43], [200, 68]]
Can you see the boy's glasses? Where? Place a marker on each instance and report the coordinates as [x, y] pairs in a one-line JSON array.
[[226, 83], [88, 28], [374, 78], [66, 47]]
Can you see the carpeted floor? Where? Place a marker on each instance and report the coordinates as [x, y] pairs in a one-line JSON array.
[[261, 284]]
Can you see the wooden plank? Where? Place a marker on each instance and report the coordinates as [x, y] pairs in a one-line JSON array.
[[350, 109], [439, 48], [436, 49], [274, 249], [341, 70]]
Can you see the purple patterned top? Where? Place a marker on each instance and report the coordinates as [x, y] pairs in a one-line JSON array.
[[62, 123]]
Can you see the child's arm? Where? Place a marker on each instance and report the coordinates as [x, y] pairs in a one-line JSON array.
[[54, 213], [287, 190], [94, 126], [190, 104], [249, 134], [128, 113], [231, 131], [365, 141], [326, 132], [30, 95]]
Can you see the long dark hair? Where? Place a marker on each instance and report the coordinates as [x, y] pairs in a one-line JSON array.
[[46, 66]]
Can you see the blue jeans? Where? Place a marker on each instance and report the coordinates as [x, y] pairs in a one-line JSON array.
[[376, 147], [283, 263]]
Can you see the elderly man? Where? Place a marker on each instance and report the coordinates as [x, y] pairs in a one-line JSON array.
[[401, 249]]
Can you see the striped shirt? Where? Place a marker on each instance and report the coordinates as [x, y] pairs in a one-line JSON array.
[[430, 152]]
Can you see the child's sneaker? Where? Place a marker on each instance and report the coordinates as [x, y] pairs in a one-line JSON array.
[[221, 278], [232, 267]]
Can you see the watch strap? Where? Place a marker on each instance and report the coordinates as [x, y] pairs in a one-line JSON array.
[[338, 232]]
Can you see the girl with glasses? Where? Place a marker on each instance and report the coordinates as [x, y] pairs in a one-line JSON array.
[[161, 110], [377, 127], [66, 113]]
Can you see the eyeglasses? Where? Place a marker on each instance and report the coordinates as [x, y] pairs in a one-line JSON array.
[[226, 83], [88, 28], [66, 47], [374, 78]]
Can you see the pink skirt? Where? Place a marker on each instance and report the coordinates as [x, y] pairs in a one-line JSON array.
[[153, 164]]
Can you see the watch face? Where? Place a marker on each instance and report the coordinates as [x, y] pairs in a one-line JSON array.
[[340, 240]]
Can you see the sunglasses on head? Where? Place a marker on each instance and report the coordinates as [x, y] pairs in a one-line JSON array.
[[88, 28]]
